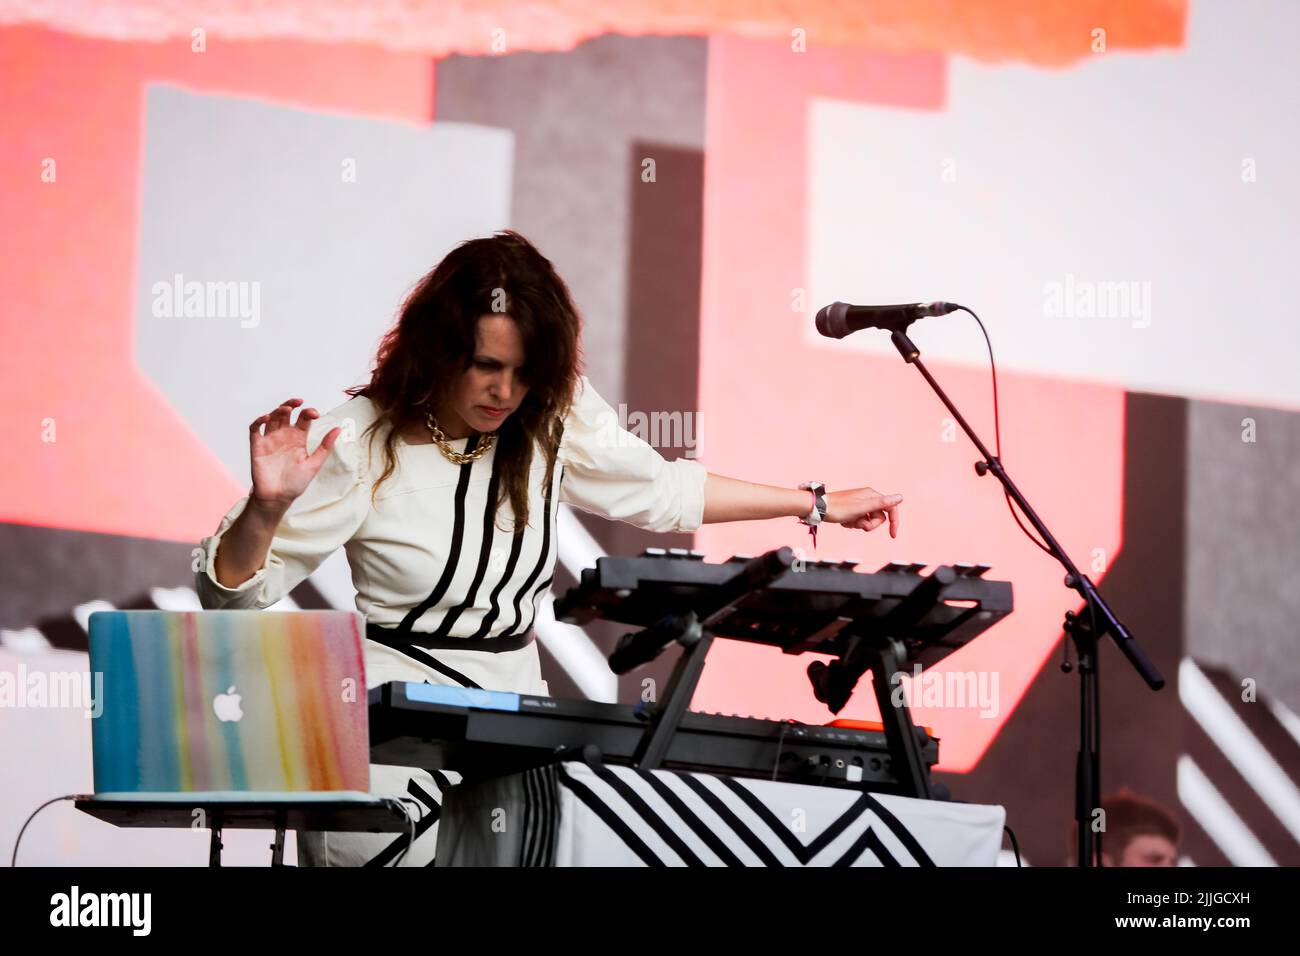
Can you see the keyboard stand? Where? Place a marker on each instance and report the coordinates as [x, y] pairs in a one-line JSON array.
[[664, 719], [694, 632], [871, 644]]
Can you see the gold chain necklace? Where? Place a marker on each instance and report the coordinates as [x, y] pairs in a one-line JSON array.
[[455, 457]]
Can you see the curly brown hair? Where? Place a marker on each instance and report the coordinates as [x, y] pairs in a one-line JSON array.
[[421, 358]]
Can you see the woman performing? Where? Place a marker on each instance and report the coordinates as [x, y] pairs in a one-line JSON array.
[[441, 479]]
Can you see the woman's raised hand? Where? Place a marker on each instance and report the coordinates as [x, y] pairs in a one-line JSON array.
[[281, 467]]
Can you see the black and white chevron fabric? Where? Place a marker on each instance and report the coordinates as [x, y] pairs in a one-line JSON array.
[[573, 814]]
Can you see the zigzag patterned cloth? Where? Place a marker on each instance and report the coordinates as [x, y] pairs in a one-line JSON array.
[[573, 814]]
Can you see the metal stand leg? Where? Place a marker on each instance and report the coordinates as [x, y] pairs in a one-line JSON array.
[[904, 749], [214, 846], [277, 847], [1087, 771], [653, 747]]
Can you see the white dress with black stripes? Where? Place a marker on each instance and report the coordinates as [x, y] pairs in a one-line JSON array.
[[449, 592]]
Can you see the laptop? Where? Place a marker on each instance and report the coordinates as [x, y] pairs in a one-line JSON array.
[[230, 704]]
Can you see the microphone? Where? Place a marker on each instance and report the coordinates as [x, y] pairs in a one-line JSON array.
[[840, 319]]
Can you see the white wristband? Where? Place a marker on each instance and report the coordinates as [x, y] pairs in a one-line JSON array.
[[818, 513]]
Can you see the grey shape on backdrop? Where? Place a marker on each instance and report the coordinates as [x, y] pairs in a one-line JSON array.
[[238, 190], [576, 115], [1243, 510]]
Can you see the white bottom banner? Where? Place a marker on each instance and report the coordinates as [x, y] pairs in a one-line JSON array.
[[572, 814]]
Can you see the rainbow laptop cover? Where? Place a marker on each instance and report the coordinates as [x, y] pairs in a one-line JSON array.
[[219, 702]]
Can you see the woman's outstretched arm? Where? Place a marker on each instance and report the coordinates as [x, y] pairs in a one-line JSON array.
[[730, 499]]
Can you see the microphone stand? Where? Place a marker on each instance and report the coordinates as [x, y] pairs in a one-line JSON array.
[[1085, 629]]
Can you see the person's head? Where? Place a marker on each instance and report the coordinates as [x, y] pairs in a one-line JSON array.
[[1139, 832], [491, 326]]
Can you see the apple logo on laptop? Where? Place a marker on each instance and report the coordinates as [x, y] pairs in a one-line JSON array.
[[226, 706]]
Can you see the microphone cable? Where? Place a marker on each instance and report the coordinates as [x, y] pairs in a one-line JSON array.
[[997, 430]]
